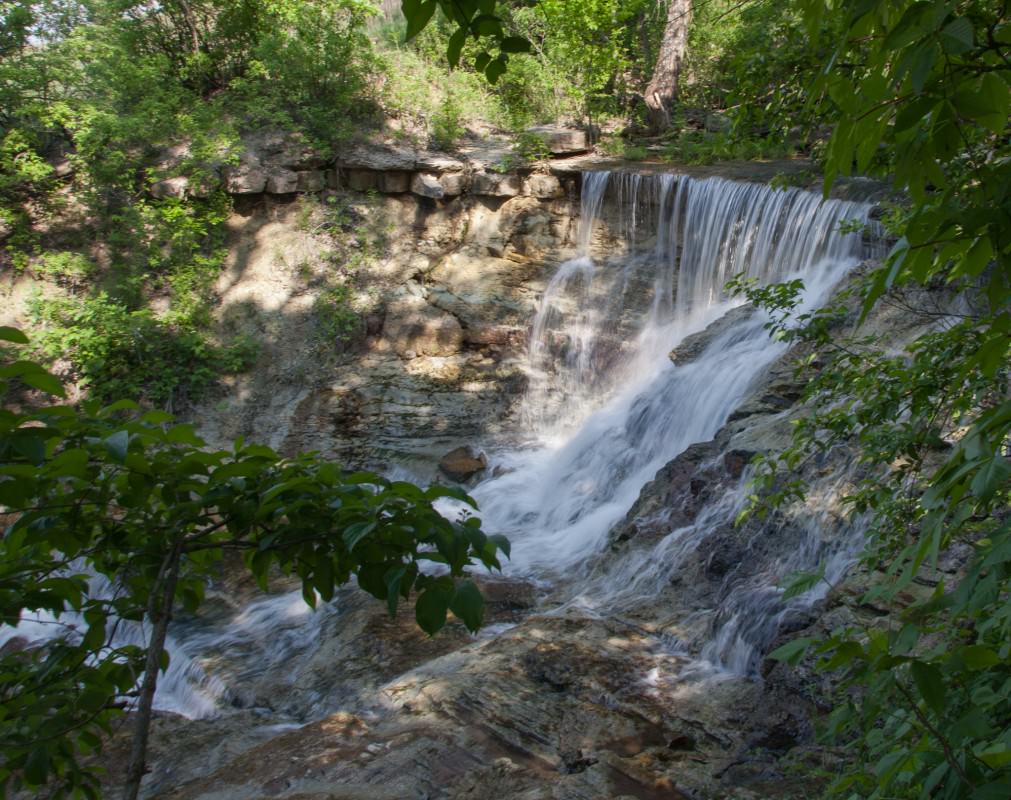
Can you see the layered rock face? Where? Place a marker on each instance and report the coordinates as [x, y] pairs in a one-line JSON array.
[[639, 672]]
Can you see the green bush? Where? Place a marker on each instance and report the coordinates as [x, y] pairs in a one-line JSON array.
[[116, 352]]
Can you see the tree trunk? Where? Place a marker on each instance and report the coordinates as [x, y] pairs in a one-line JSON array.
[[160, 614], [662, 90]]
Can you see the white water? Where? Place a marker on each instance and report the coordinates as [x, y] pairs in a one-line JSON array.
[[605, 410], [604, 431]]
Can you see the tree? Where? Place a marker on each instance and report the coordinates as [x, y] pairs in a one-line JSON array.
[[662, 90], [131, 496], [922, 92], [473, 18]]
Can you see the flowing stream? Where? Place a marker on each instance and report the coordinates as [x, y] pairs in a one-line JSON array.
[[606, 409]]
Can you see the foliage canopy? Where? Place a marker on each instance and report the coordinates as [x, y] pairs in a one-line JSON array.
[[115, 497]]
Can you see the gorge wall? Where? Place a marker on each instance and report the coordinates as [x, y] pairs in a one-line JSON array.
[[624, 653]]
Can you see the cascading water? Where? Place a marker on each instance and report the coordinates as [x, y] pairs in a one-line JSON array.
[[605, 410], [611, 423]]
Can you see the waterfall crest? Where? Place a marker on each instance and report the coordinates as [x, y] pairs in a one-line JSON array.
[[608, 411]]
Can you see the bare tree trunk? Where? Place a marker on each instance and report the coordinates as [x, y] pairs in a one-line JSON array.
[[160, 614], [662, 90]]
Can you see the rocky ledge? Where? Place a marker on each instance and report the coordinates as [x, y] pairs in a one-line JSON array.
[[278, 163]]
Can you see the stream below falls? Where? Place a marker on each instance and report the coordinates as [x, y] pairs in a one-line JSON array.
[[605, 410]]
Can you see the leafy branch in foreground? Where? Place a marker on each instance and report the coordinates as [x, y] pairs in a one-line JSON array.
[[137, 500], [474, 18], [921, 92]]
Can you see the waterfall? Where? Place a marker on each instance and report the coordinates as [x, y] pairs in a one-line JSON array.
[[606, 415], [605, 410]]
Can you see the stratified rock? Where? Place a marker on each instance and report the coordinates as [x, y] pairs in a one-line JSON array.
[[246, 178], [463, 463], [311, 181], [414, 326], [736, 461], [282, 150], [439, 162], [562, 141], [454, 183], [493, 185], [543, 186], [362, 180], [693, 346], [379, 157], [393, 182], [425, 184], [282, 181], [170, 187]]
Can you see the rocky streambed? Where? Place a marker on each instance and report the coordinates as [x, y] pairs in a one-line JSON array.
[[624, 650]]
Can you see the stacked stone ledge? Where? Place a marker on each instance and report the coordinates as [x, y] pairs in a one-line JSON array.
[[276, 165]]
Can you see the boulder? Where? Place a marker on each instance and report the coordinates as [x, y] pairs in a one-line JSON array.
[[692, 346], [495, 185], [463, 463], [246, 178], [313, 180], [718, 123], [562, 141], [454, 183], [425, 184], [282, 181], [543, 187], [394, 182], [170, 187]]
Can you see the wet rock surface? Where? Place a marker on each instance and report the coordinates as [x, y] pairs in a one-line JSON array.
[[462, 464], [548, 702]]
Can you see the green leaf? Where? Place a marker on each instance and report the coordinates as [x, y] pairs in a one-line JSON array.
[[8, 334], [487, 25], [792, 652], [998, 97], [957, 36], [418, 14], [468, 605], [996, 756], [184, 434], [393, 580], [514, 44], [353, 534], [930, 684], [430, 610], [29, 442], [502, 543], [117, 445], [998, 790], [495, 70], [45, 382], [455, 47], [37, 767], [991, 477], [977, 657]]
